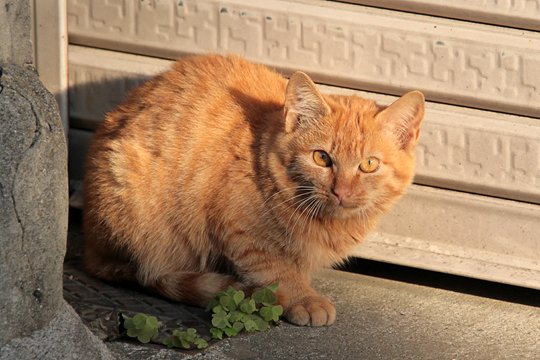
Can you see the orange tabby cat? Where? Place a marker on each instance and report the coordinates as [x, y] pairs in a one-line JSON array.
[[219, 161]]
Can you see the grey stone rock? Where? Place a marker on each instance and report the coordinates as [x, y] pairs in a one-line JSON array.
[[65, 337], [15, 27], [33, 204]]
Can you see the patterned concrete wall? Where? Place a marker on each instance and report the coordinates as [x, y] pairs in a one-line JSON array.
[[340, 44], [514, 13], [465, 149], [462, 234]]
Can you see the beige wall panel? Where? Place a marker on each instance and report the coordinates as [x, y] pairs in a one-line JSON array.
[[514, 13], [462, 234], [49, 36], [340, 44], [465, 149]]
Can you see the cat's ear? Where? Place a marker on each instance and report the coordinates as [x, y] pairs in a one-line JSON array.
[[403, 118], [304, 103]]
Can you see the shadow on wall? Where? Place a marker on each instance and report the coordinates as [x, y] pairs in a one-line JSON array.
[[88, 105]]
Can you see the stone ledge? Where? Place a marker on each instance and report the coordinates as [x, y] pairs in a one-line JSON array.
[[379, 319]]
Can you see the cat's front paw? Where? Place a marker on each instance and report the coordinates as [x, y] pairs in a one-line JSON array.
[[312, 310]]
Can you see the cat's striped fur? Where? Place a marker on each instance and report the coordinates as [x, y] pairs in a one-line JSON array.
[[205, 177]]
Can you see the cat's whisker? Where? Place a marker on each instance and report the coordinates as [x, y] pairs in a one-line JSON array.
[[363, 215], [279, 192], [301, 220], [296, 205], [319, 208], [322, 205], [311, 215], [297, 208], [308, 217], [283, 202], [298, 187]]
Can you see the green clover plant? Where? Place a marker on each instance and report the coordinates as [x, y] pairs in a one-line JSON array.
[[141, 326], [232, 313]]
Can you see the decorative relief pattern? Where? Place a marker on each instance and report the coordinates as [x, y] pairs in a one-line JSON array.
[[484, 69], [512, 7], [515, 13], [480, 157], [465, 150]]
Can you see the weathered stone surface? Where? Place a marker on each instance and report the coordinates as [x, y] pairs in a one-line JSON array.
[[65, 337], [33, 204], [15, 27]]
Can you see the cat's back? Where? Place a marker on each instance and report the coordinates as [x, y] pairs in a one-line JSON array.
[[198, 94], [180, 129]]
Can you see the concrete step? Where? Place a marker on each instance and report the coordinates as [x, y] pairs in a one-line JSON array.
[[378, 318]]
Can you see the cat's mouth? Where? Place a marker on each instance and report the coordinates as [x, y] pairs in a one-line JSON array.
[[316, 202], [345, 204], [333, 207]]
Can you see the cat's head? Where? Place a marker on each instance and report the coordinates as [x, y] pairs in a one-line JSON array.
[[348, 155]]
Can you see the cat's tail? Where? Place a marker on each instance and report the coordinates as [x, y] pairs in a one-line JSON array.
[[194, 288]]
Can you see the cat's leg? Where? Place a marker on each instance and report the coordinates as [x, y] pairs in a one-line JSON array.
[[195, 288], [306, 307], [104, 260], [301, 303], [108, 267]]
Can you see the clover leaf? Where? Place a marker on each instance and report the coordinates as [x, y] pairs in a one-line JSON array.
[[264, 296], [186, 339], [141, 326], [271, 313]]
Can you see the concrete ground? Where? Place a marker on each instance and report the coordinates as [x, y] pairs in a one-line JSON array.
[[386, 319], [390, 312]]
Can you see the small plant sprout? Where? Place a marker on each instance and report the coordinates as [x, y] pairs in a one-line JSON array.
[[141, 326], [186, 339]]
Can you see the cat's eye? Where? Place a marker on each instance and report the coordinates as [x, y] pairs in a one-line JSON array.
[[369, 164], [322, 158]]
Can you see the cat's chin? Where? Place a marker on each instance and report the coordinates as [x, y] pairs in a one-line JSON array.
[[337, 211]]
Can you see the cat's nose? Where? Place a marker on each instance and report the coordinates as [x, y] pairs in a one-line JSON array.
[[343, 193]]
